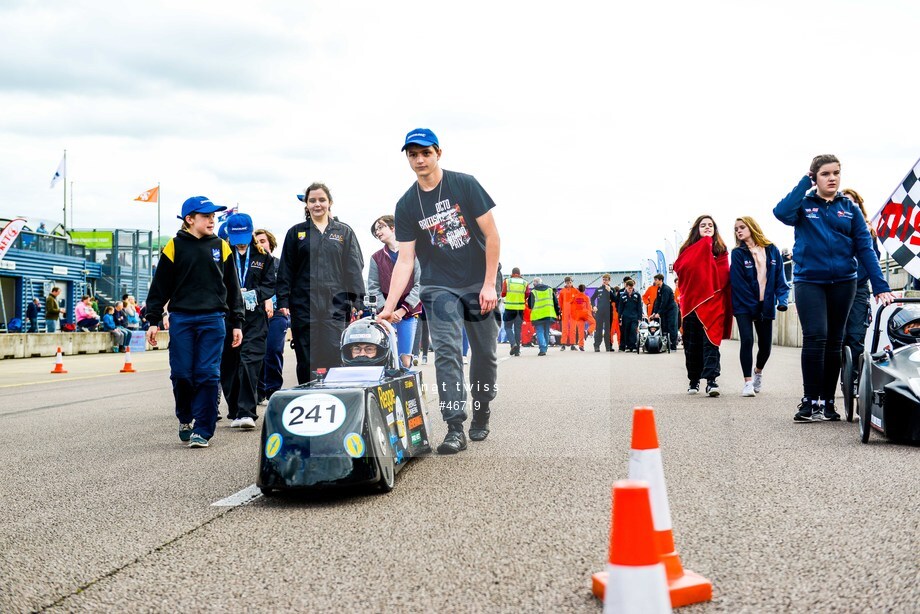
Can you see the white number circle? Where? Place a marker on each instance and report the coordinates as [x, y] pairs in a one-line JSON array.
[[312, 415]]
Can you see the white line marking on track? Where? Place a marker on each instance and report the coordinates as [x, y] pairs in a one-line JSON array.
[[247, 495]]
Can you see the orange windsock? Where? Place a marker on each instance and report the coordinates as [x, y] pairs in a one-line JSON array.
[[128, 368], [59, 362]]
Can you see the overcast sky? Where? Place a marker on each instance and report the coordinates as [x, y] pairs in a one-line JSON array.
[[598, 129]]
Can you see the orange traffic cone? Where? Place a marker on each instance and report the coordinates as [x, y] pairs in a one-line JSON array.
[[636, 579], [128, 368], [645, 464], [59, 363]]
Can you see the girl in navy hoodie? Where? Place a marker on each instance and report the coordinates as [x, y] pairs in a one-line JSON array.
[[759, 288], [830, 235]]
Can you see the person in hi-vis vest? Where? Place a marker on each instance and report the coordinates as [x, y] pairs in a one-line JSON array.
[[514, 290]]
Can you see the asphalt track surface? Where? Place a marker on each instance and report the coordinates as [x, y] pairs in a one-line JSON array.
[[104, 510]]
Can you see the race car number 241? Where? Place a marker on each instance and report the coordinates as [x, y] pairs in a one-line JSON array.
[[312, 415]]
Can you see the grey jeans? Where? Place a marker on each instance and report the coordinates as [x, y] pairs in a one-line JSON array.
[[449, 311]]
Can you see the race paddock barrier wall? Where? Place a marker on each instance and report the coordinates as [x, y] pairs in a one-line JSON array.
[[33, 345]]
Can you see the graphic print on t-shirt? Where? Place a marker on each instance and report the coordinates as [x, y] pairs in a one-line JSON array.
[[447, 228]]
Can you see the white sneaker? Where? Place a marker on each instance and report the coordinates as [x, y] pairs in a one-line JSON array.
[[466, 360], [236, 423], [757, 381], [748, 390], [425, 359], [247, 424]]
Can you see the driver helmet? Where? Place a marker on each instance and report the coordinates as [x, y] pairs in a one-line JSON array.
[[653, 325], [360, 335], [902, 321]]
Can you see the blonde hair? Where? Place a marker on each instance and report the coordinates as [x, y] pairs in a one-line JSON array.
[[856, 198], [756, 232]]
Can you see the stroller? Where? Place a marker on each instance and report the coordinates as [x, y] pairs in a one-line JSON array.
[[651, 341]]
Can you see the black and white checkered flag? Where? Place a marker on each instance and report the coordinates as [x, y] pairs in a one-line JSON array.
[[898, 223]]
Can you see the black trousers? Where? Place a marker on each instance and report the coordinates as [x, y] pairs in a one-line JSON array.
[[857, 323], [239, 366], [702, 357], [629, 331], [669, 328], [747, 324], [316, 346], [823, 310], [602, 329]]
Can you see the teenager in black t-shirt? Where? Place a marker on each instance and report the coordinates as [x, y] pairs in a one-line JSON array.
[[445, 219]]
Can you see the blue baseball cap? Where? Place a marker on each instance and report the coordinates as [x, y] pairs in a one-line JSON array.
[[421, 136], [199, 204], [222, 231], [239, 229]]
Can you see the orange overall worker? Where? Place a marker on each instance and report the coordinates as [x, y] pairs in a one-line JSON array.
[[651, 293], [565, 296], [615, 320], [582, 314]]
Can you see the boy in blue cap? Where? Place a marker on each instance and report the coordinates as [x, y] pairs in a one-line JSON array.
[[239, 369], [196, 275]]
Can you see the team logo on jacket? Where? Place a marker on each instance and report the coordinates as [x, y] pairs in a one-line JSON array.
[[215, 254], [336, 237], [845, 214], [301, 236], [256, 265]]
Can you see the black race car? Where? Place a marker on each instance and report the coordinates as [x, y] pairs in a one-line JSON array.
[[358, 425]]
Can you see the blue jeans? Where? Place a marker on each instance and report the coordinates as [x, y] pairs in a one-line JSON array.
[[51, 326], [196, 342], [405, 335], [542, 328], [273, 363]]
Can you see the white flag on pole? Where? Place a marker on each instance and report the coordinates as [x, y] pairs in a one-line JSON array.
[[60, 173]]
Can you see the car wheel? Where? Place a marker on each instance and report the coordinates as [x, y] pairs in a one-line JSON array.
[[864, 401], [380, 444], [846, 382]]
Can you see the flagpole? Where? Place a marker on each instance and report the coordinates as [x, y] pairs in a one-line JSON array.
[[65, 190], [71, 204]]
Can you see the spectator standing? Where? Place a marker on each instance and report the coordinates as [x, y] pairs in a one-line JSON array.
[[858, 318], [565, 297], [544, 310], [379, 276], [515, 292], [447, 217], [665, 309], [32, 312], [272, 379], [85, 314], [53, 312], [830, 236], [759, 289], [196, 275], [239, 367], [631, 311], [705, 304], [320, 281], [602, 306]]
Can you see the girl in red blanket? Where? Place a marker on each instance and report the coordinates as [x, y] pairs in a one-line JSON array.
[[705, 302]]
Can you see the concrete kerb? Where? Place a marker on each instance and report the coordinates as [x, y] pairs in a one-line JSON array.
[[32, 345]]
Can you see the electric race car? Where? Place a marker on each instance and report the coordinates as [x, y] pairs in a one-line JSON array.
[[888, 382], [359, 425]]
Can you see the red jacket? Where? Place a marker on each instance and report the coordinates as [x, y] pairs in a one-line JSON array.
[[705, 288]]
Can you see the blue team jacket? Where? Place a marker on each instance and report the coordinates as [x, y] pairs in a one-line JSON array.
[[829, 237], [746, 290]]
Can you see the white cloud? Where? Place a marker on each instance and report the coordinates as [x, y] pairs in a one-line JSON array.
[[596, 128]]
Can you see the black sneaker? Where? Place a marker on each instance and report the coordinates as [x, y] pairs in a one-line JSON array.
[[479, 425], [712, 388], [542, 354], [806, 409], [693, 388], [829, 414], [563, 349], [597, 349], [454, 441]]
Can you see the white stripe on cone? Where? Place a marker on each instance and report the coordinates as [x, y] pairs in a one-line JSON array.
[[647, 465], [636, 590]]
